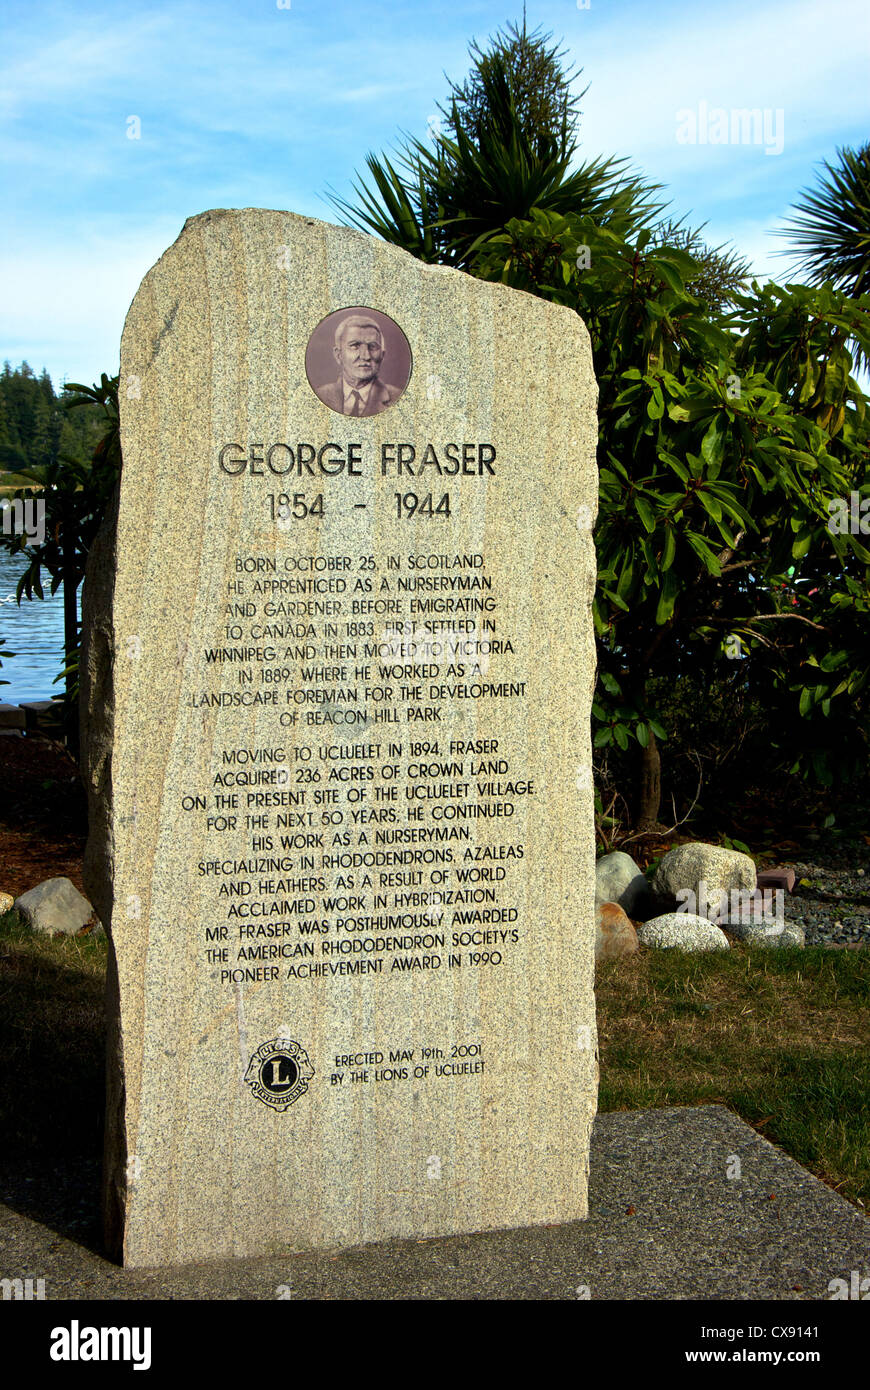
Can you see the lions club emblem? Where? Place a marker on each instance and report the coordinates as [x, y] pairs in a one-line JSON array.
[[279, 1073]]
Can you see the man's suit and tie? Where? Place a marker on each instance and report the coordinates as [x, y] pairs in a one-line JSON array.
[[338, 395]]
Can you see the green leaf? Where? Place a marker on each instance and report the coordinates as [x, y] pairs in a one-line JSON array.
[[667, 599], [832, 660], [670, 549], [704, 553], [713, 443], [645, 512], [626, 578], [617, 599], [669, 275], [801, 544], [710, 504]]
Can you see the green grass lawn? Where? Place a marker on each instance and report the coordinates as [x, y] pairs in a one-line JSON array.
[[52, 1041], [780, 1037]]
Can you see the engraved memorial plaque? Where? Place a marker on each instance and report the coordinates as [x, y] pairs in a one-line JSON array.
[[337, 673]]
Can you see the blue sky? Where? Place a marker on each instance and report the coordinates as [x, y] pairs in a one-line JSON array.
[[264, 104]]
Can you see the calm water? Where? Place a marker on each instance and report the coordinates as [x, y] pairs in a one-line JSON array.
[[34, 632]]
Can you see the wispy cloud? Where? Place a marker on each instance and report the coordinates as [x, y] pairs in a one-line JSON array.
[[67, 68]]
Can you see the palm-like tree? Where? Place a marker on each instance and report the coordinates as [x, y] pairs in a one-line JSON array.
[[440, 203], [830, 234]]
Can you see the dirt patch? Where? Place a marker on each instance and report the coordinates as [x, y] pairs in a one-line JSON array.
[[43, 814]]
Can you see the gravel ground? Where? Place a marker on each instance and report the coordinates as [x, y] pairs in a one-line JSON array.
[[832, 904]]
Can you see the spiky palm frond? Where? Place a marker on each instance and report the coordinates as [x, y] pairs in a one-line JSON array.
[[830, 234]]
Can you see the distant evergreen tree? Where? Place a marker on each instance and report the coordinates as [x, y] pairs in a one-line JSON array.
[[36, 426], [11, 454], [72, 458]]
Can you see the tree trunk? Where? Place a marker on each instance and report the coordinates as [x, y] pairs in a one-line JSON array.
[[70, 634], [650, 788]]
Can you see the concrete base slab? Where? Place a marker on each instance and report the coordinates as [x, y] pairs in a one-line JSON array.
[[685, 1203]]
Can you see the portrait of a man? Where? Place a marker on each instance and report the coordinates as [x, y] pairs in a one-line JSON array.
[[370, 354]]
